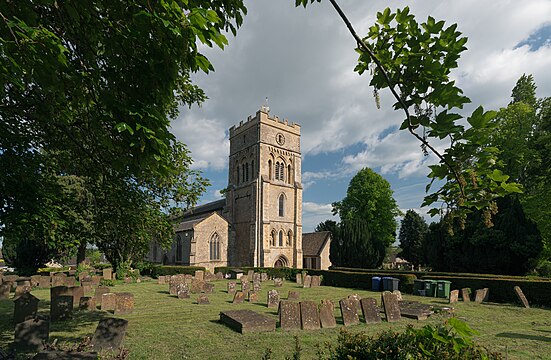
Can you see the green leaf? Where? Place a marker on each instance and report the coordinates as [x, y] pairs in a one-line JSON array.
[[498, 176], [122, 126]]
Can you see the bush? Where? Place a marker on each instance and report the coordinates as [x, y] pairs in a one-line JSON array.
[[450, 341], [106, 282], [544, 269]]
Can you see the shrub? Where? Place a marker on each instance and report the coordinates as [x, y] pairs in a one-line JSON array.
[[451, 341], [544, 269], [106, 282]]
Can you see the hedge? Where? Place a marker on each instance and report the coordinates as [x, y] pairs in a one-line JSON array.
[[361, 280], [161, 270], [284, 273]]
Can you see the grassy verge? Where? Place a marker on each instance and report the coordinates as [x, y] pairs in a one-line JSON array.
[[164, 327]]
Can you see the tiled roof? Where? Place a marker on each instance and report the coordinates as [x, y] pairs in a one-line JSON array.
[[201, 211], [313, 243]]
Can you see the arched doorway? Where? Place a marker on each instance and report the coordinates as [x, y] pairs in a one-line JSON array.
[[281, 262]]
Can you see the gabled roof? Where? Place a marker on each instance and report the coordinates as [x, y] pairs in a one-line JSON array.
[[313, 243], [189, 224], [201, 211]]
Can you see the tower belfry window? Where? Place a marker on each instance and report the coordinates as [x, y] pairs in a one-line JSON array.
[[281, 205], [243, 170], [247, 171], [280, 237]]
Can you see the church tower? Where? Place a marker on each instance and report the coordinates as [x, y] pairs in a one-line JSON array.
[[264, 194]]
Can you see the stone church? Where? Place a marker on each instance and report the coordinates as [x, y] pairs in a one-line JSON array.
[[259, 223]]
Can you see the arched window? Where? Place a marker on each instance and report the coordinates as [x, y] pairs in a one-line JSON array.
[[270, 169], [280, 237], [179, 249], [237, 174], [277, 170], [252, 169], [273, 238], [243, 170], [215, 247], [281, 205], [247, 171], [290, 238], [289, 174]]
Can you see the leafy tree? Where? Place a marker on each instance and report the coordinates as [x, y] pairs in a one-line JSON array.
[[511, 246], [357, 246], [369, 197], [413, 229], [334, 249], [525, 91], [414, 61], [89, 89]]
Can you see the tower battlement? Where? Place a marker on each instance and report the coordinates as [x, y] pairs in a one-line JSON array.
[[263, 116]]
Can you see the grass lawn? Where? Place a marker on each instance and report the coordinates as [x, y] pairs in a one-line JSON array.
[[164, 327]]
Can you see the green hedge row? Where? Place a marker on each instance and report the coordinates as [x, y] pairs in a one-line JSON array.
[[362, 280], [162, 270], [538, 292], [284, 273]]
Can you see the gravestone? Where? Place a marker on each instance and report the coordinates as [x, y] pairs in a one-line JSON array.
[[263, 277], [208, 277], [219, 275], [250, 274], [256, 286], [100, 290], [398, 294], [256, 277], [466, 294], [521, 297], [253, 296], [35, 280], [247, 321], [239, 297], [124, 303], [83, 275], [31, 334], [58, 291], [231, 287], [61, 308], [59, 279], [161, 280], [107, 274], [197, 286], [289, 315], [26, 307], [86, 285], [44, 282], [96, 279], [316, 281], [391, 306], [415, 310], [203, 299], [355, 301], [199, 275], [293, 295], [108, 301], [454, 296], [278, 282], [309, 315], [273, 299], [481, 295], [182, 291], [245, 286], [327, 314], [307, 281], [299, 279], [109, 334], [208, 288], [5, 291], [70, 281], [87, 303], [243, 278], [173, 286], [370, 310], [188, 278], [349, 312], [128, 280], [21, 289], [76, 292]]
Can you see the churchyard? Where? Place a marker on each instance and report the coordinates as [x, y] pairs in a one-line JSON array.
[[165, 326]]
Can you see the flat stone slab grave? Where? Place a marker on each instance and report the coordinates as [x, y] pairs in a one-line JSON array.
[[247, 321], [415, 310]]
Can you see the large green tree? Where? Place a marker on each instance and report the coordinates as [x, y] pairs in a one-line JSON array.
[[88, 90], [357, 245], [413, 229], [369, 197]]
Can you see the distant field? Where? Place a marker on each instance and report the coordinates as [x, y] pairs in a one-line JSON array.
[[164, 327]]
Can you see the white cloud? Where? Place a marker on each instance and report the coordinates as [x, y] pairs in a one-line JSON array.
[[314, 213]]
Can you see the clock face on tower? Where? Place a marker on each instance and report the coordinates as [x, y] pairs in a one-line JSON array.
[[280, 139]]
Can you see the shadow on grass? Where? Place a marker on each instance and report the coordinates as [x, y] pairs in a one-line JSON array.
[[511, 335], [6, 325], [163, 292]]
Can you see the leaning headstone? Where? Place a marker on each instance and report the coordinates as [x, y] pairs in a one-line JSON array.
[[454, 296], [391, 306], [31, 334], [293, 295], [61, 308], [87, 303], [299, 279], [199, 275], [289, 315], [109, 334], [521, 297], [316, 281], [398, 294], [355, 302], [247, 321], [348, 312], [481, 295], [239, 297], [182, 291], [108, 301], [124, 303], [273, 299], [231, 287], [203, 300], [26, 307], [307, 281], [327, 314], [107, 273], [370, 311], [309, 315], [278, 282], [253, 296], [100, 290], [466, 294], [5, 291]]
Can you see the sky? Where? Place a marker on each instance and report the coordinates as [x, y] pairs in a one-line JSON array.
[[302, 60]]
